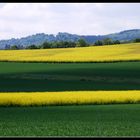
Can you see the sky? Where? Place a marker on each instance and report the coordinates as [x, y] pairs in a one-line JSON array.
[[22, 19]]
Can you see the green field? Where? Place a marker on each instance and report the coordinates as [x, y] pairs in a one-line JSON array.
[[86, 120], [69, 77]]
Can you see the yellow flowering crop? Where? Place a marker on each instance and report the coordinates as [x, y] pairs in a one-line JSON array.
[[121, 52], [69, 97]]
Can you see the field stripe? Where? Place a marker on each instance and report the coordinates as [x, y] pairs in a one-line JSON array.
[[69, 98], [109, 53]]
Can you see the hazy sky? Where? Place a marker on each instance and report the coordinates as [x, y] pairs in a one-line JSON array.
[[22, 19]]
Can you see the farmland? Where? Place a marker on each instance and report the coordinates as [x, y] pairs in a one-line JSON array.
[[53, 98], [111, 53], [84, 120], [69, 77], [69, 98]]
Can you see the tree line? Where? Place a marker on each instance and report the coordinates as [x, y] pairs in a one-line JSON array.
[[56, 44], [70, 44]]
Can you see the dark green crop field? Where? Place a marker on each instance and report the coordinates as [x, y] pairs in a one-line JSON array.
[[86, 120], [69, 77], [82, 120]]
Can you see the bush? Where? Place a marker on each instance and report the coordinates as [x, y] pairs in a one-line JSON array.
[[45, 45], [81, 43], [98, 43], [137, 40], [116, 42], [107, 41], [14, 47], [32, 47]]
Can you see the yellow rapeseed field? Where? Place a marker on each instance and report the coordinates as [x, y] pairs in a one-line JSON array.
[[69, 97], [121, 52]]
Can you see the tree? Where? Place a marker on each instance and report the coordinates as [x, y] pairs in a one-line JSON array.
[[68, 44], [14, 47], [60, 44], [32, 47], [46, 45], [71, 44], [136, 40], [98, 43], [116, 42], [107, 41], [54, 44], [81, 43]]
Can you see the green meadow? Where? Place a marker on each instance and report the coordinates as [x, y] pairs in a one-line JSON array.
[[69, 77], [86, 120]]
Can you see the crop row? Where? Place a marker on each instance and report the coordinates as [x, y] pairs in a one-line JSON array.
[[121, 52], [69, 98]]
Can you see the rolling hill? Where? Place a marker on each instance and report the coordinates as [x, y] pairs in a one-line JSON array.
[[108, 53], [39, 38]]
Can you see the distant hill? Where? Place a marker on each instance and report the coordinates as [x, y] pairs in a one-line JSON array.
[[39, 38], [126, 35]]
